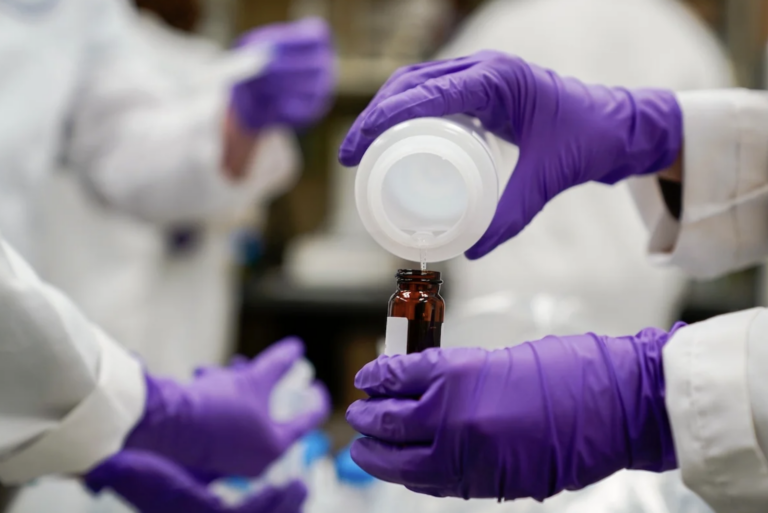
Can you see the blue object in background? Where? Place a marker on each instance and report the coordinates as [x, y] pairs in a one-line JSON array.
[[317, 445], [248, 246], [350, 473], [241, 484]]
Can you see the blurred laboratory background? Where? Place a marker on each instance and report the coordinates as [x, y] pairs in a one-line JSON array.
[[299, 262]]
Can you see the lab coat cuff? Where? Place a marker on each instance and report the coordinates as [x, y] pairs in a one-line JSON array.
[[91, 432], [710, 409], [725, 187], [274, 155], [274, 166], [271, 170]]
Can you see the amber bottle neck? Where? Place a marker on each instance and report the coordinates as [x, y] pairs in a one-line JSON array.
[[417, 280]]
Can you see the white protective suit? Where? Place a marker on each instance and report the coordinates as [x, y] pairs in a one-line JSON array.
[[75, 83], [581, 265], [173, 309]]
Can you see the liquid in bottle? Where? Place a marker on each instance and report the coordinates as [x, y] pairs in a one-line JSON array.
[[416, 312]]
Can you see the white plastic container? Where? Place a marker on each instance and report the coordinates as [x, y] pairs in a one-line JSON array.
[[429, 184], [292, 396]]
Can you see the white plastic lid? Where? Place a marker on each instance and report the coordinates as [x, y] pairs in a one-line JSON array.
[[427, 183]]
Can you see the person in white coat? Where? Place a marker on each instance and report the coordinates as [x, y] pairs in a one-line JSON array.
[[173, 307], [587, 246], [77, 87], [143, 281], [71, 398], [564, 412]]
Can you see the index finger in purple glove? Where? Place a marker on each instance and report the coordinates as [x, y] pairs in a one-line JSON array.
[[152, 484], [276, 500], [156, 485], [398, 376], [283, 354], [356, 142], [395, 464], [429, 89], [276, 360], [394, 420]]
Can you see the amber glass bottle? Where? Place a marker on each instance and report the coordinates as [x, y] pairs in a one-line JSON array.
[[418, 300]]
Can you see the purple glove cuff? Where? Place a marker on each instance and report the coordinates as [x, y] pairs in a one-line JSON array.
[[648, 431], [156, 425], [153, 484], [656, 115]]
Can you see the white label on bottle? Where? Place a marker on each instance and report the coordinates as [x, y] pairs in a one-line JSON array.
[[396, 341]]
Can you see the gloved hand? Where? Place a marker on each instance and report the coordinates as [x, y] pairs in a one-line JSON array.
[[220, 422], [568, 132], [155, 485], [296, 87], [527, 421]]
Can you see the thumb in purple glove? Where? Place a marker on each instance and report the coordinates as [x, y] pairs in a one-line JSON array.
[[568, 132], [153, 484], [296, 87], [221, 421], [528, 421]]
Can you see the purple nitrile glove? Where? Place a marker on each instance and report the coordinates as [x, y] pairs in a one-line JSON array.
[[568, 132], [153, 484], [557, 414], [220, 422], [296, 87]]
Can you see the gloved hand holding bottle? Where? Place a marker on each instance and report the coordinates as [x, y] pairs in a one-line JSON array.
[[568, 132], [221, 422], [557, 414], [153, 484]]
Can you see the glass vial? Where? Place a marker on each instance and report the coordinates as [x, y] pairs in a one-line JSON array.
[[416, 312]]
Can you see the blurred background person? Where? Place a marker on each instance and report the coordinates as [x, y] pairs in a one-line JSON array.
[[145, 279], [163, 159]]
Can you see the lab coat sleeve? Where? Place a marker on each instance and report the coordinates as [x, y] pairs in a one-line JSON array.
[[145, 143], [274, 167], [69, 395], [724, 223], [717, 398]]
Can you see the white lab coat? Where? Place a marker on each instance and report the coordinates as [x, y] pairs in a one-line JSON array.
[[68, 393], [716, 371], [585, 253], [70, 68], [174, 310]]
